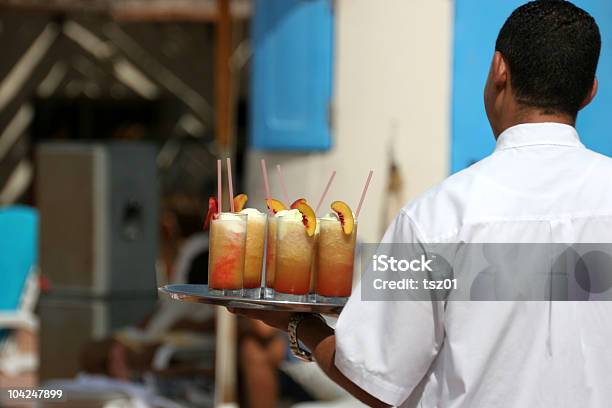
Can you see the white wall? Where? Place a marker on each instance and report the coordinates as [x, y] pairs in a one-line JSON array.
[[393, 71]]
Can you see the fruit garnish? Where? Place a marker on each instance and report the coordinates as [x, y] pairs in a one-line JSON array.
[[308, 217], [213, 209], [295, 203], [239, 202], [345, 215], [275, 205]]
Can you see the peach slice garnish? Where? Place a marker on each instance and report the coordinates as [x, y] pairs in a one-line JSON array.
[[345, 215], [239, 202], [213, 209], [275, 205], [296, 202], [308, 217]]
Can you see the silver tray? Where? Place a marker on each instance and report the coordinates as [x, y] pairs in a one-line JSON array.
[[199, 294]]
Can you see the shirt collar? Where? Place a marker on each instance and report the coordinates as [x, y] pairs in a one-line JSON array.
[[538, 134]]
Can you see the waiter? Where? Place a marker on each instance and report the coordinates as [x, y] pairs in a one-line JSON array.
[[540, 185]]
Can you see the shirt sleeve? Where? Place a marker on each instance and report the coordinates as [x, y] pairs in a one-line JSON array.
[[387, 347]]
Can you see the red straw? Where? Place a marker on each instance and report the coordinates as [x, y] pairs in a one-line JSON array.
[[219, 187], [230, 183], [363, 194], [282, 183], [264, 171], [329, 183]]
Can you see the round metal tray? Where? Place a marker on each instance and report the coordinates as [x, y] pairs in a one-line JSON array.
[[199, 294]]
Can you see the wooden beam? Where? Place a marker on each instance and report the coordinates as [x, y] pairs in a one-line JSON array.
[[56, 5], [225, 358], [177, 10], [225, 361], [138, 10], [223, 78]]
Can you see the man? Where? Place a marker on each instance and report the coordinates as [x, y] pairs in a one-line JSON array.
[[540, 185]]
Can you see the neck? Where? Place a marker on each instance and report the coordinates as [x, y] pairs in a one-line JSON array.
[[533, 116]]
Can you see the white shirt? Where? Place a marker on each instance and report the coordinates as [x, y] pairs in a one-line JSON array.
[[540, 185]]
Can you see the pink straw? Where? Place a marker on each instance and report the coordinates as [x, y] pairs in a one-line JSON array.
[[230, 183], [219, 187], [264, 171], [282, 183], [329, 183], [363, 194]]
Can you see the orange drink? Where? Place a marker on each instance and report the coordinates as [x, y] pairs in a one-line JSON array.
[[336, 251], [294, 254], [270, 256], [312, 292], [227, 244], [254, 253]]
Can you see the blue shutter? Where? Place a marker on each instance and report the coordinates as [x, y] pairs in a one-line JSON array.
[[291, 74]]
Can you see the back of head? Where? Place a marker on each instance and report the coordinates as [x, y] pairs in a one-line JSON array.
[[552, 48]]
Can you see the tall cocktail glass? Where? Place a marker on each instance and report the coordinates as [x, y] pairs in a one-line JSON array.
[[335, 259], [254, 254], [294, 254], [270, 268], [312, 291], [227, 244]]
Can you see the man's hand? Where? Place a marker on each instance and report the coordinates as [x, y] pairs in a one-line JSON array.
[[279, 320]]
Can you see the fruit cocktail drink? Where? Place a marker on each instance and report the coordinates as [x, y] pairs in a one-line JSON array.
[[336, 252], [254, 254], [294, 253], [227, 244], [274, 207]]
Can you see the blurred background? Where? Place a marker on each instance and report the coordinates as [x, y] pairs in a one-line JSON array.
[[112, 116]]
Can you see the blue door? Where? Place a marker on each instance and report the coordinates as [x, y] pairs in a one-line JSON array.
[[291, 74]]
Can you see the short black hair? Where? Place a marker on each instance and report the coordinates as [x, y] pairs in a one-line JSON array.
[[552, 48]]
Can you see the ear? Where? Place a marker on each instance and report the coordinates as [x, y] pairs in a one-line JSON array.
[[591, 95], [500, 74]]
